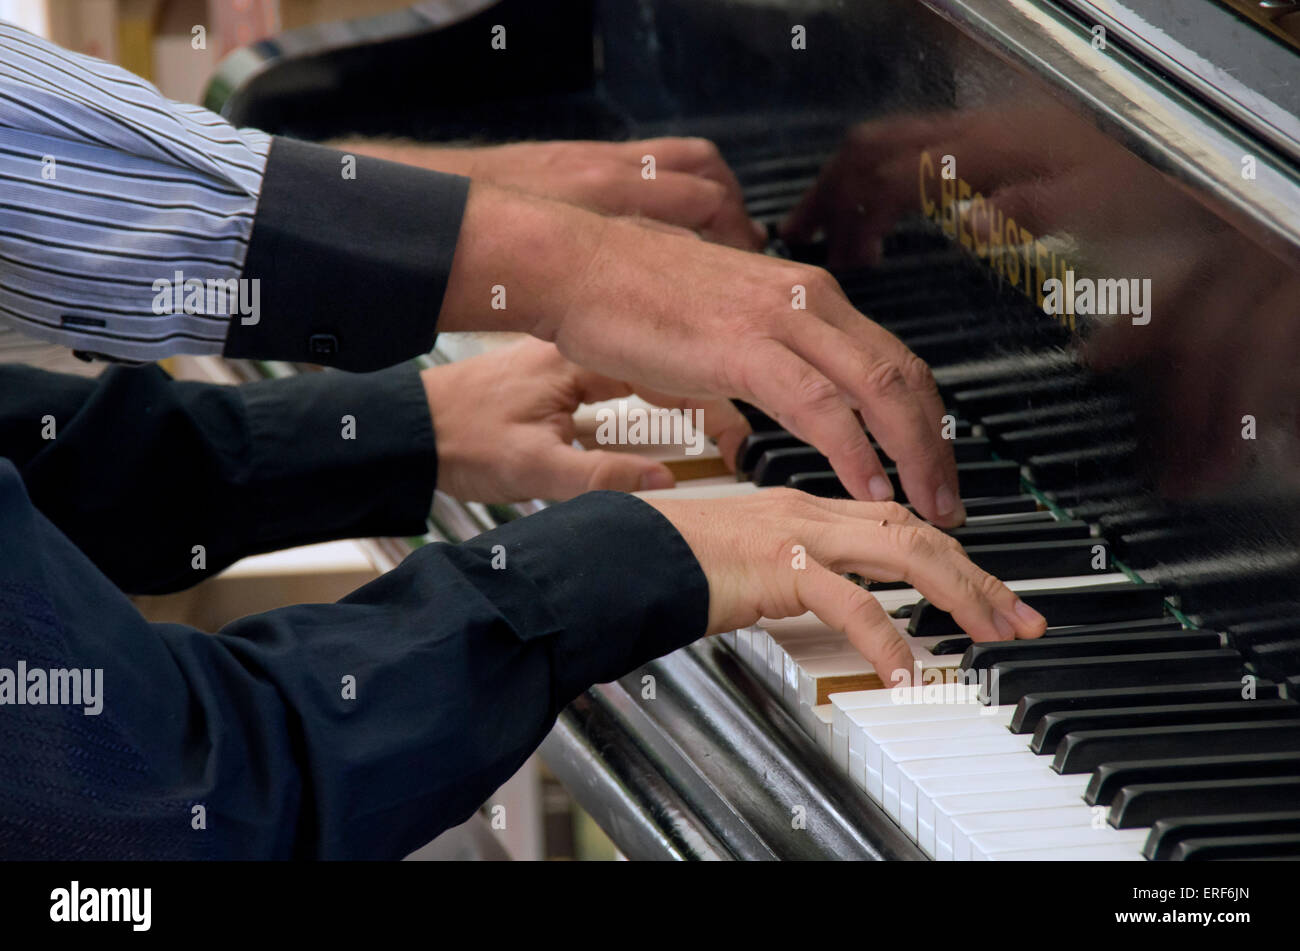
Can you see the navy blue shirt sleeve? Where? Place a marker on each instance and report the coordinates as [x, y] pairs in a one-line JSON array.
[[141, 467], [460, 669]]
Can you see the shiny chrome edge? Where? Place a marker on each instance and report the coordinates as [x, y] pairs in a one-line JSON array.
[[1245, 105], [601, 765], [1159, 122], [761, 764]]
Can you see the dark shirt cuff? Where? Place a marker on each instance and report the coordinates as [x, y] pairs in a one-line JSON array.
[[612, 583], [340, 456], [351, 272]]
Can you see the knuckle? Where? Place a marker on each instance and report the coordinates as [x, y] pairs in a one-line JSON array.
[[815, 390], [895, 512], [886, 379], [860, 604], [787, 502], [917, 374], [989, 586], [819, 280], [911, 541]]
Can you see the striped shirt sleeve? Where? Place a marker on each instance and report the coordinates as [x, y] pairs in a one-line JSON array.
[[113, 201]]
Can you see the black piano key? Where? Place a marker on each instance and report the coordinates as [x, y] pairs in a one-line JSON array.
[[778, 466], [1247, 634], [970, 448], [1167, 834], [1141, 805], [1036, 441], [1090, 408], [1001, 505], [959, 645], [912, 324], [953, 345], [1154, 545], [1053, 728], [1074, 466], [974, 479], [1092, 508], [1277, 660], [987, 653], [1052, 559], [1090, 604], [1137, 518], [1135, 625], [1109, 778], [1010, 680], [1001, 534], [1226, 848], [1004, 368], [757, 419], [1032, 707], [778, 459], [755, 444], [1085, 750], [976, 403]]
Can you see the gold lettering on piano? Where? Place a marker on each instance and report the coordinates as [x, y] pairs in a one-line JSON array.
[[977, 224]]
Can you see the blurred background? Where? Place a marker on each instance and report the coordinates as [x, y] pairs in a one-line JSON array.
[[156, 39]]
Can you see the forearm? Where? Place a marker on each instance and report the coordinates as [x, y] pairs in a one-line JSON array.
[[138, 468], [521, 276], [354, 730], [453, 160]]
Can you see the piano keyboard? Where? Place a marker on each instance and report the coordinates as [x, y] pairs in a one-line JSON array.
[[1136, 728]]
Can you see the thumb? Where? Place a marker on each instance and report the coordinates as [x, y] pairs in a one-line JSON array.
[[570, 471]]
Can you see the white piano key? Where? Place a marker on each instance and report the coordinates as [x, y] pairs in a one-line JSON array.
[[959, 764], [970, 722], [933, 787], [744, 639], [716, 487], [948, 808], [1110, 852], [822, 714], [908, 751], [1064, 840], [845, 720], [965, 827]]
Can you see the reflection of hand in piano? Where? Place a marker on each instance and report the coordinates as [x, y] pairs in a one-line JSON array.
[[505, 429], [780, 553]]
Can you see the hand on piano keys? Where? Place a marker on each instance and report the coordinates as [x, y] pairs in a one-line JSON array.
[[781, 553], [697, 319], [505, 428]]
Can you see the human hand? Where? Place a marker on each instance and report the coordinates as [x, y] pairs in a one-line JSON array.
[[746, 547], [503, 423]]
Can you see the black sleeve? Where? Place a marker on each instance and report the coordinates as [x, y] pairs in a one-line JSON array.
[[352, 730], [351, 271], [141, 468]]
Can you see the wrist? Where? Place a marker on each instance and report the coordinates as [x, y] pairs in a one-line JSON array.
[[520, 263]]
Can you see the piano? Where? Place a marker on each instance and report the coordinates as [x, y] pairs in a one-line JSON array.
[[1126, 441]]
